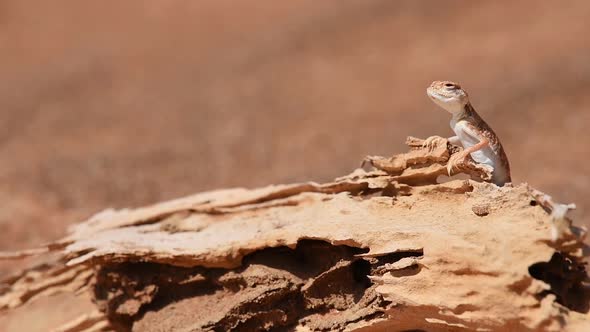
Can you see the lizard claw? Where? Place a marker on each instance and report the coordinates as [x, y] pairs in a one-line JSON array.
[[455, 160], [432, 142]]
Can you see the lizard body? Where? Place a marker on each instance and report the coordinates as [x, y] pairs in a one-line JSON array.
[[476, 136]]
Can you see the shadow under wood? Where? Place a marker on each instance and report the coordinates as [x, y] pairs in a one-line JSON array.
[[308, 259], [566, 277], [275, 287]]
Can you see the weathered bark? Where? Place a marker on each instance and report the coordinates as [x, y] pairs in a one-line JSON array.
[[383, 250]]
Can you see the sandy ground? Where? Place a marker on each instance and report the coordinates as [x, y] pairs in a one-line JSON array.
[[112, 104]]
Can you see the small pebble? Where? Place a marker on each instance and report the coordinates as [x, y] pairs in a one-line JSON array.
[[481, 209]]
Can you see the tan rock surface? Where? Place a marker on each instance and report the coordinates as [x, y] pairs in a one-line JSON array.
[[381, 250]]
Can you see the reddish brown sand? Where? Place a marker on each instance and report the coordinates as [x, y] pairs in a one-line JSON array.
[[116, 104]]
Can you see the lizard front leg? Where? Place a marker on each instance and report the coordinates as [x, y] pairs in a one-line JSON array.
[[460, 157]]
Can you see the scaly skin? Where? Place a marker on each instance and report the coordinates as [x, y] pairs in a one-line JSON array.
[[477, 138]]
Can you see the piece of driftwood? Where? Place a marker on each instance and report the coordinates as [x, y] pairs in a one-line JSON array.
[[389, 249]]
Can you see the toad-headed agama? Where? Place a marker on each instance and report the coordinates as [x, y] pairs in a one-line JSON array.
[[477, 138]]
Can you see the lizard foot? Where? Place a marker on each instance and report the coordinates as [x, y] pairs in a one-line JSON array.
[[455, 160], [432, 142]]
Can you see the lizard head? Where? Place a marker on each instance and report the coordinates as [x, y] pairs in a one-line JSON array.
[[448, 95]]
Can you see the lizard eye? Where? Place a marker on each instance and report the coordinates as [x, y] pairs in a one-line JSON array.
[[449, 85]]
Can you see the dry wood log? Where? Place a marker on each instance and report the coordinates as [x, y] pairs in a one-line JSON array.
[[389, 249]]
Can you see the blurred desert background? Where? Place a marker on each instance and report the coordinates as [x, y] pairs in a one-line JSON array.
[[125, 103]]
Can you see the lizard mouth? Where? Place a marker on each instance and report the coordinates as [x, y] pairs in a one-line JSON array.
[[435, 95], [449, 103]]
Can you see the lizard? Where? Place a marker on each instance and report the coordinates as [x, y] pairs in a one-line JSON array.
[[471, 131]]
